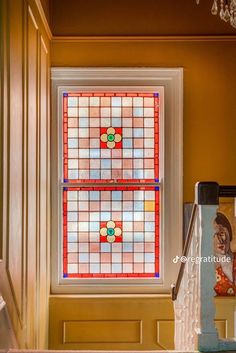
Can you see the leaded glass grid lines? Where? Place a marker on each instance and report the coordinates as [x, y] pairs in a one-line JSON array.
[[111, 136], [91, 215]]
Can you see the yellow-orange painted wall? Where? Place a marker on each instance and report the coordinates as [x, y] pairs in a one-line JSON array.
[[209, 94]]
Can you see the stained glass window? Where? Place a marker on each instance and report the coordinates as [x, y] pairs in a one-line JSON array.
[[111, 136], [111, 190]]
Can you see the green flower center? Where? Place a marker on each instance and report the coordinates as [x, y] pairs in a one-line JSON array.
[[110, 231], [111, 137]]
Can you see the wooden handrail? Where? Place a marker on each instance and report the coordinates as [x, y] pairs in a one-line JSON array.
[[175, 287]]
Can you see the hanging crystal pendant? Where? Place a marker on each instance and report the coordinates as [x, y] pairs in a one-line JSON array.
[[214, 9], [227, 10], [226, 14]]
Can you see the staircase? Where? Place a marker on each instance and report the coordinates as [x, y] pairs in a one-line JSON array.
[[193, 291]]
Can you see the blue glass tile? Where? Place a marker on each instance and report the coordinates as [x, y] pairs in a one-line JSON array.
[[150, 226], [116, 101], [116, 268], [127, 143], [94, 268], [149, 257], [72, 237], [138, 205], [127, 216], [73, 143], [138, 237], [138, 153], [83, 257], [73, 174], [72, 216], [94, 153], [137, 112], [94, 226], [65, 275], [106, 164], [156, 94], [127, 247], [138, 132], [83, 122], [116, 195], [157, 274], [105, 247], [65, 94], [138, 174], [105, 216], [94, 174], [116, 122], [94, 195]]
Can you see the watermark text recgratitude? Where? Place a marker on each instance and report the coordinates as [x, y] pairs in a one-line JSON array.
[[198, 259]]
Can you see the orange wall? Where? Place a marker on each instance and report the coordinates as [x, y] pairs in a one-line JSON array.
[[134, 17], [209, 94]]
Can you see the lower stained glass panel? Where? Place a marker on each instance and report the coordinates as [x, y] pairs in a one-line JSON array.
[[111, 232]]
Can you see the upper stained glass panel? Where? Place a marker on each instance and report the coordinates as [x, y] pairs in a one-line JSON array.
[[111, 136]]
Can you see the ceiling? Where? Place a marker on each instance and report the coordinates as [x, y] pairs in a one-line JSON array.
[[133, 17]]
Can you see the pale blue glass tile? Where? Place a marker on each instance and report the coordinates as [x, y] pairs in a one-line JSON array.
[[72, 101], [127, 143], [127, 216], [94, 216], [116, 112], [116, 101], [106, 164], [149, 236], [138, 153], [116, 122], [138, 237], [116, 205], [73, 143], [138, 132], [150, 226], [72, 216], [94, 226], [127, 153], [94, 153], [138, 112], [138, 206], [105, 247], [83, 257], [73, 174], [138, 195], [105, 216], [138, 216], [94, 195], [138, 174], [83, 132], [116, 195], [94, 268], [127, 237], [83, 195], [83, 122], [72, 237], [72, 195], [127, 247], [116, 268], [94, 174], [149, 257]]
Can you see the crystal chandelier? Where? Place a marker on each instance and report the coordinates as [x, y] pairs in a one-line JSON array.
[[226, 10]]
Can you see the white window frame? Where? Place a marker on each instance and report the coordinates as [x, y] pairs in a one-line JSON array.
[[169, 83]]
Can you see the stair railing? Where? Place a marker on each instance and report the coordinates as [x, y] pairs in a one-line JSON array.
[[193, 291]]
